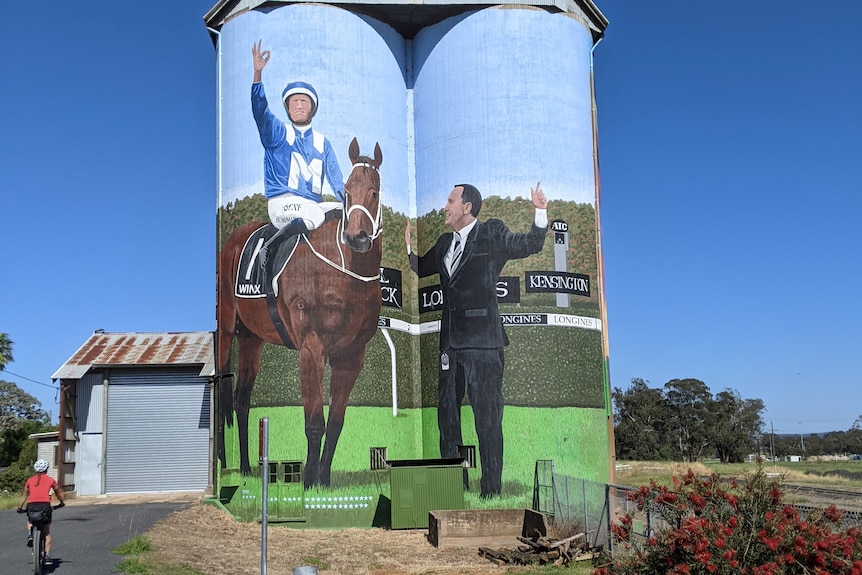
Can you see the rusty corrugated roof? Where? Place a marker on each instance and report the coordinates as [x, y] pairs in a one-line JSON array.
[[130, 349]]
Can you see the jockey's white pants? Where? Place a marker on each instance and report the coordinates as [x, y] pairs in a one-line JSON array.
[[285, 208]]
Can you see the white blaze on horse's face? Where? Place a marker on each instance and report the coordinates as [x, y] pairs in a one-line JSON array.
[[362, 213]]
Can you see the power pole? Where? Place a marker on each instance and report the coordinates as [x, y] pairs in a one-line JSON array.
[[772, 441]]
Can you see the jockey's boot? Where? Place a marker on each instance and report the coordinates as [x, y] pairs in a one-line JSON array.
[[294, 227]]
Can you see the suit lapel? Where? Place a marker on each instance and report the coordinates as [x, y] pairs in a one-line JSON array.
[[442, 249], [469, 243]]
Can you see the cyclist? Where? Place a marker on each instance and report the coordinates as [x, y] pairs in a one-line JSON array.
[[37, 495]]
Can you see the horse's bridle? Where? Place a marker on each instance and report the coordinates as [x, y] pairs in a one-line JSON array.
[[345, 214], [375, 222]]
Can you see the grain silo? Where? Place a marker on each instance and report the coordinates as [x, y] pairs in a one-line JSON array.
[[498, 363]]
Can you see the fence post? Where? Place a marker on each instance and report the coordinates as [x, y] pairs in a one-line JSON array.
[[586, 513], [608, 507], [264, 477]]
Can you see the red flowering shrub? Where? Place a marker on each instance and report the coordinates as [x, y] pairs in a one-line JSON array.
[[710, 526]]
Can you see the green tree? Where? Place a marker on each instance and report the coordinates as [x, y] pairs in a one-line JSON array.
[[639, 420], [17, 406], [12, 441], [734, 422], [5, 350], [689, 402], [854, 437]]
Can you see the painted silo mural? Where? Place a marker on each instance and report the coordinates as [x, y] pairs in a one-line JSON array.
[[407, 256]]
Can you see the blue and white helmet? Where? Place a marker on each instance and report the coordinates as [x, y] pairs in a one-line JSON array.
[[300, 88], [41, 466]]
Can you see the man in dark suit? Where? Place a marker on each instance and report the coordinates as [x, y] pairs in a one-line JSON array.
[[469, 261]]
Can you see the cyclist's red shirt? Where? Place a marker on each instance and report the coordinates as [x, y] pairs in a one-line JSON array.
[[39, 490]]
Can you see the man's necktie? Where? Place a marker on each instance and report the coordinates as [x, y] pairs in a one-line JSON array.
[[456, 255]]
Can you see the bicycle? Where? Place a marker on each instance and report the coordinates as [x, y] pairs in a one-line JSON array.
[[36, 518]]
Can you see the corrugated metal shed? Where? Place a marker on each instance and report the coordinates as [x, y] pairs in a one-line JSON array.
[[129, 349]]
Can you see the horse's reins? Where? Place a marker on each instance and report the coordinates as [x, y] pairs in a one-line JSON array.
[[375, 223]]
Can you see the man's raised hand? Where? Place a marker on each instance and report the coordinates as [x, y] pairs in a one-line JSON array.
[[538, 197]]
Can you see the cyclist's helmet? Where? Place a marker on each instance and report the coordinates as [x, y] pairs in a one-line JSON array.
[[300, 88], [41, 466]]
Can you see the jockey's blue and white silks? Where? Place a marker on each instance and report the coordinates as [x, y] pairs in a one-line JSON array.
[[294, 162]]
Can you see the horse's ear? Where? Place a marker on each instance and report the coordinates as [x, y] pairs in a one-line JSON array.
[[378, 155], [353, 150]]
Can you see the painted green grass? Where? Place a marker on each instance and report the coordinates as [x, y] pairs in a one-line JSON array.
[[573, 438]]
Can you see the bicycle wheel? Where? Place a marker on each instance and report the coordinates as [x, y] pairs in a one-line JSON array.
[[38, 549]]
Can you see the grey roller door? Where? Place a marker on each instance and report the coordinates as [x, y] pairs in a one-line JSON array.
[[157, 435]]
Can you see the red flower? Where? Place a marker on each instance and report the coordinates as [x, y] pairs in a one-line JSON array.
[[733, 500], [775, 495], [833, 514], [772, 544], [699, 501]]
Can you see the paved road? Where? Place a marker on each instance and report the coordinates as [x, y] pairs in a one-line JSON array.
[[83, 536]]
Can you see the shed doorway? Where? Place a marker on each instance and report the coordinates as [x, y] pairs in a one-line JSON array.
[[158, 434]]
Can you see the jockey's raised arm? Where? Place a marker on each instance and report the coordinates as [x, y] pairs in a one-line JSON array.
[[260, 59]]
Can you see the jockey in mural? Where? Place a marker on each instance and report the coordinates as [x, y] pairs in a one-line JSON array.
[[297, 159]]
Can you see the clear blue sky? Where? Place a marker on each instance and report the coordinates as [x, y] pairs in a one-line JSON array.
[[731, 160]]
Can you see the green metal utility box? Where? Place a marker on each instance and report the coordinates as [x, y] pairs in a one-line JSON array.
[[418, 486]]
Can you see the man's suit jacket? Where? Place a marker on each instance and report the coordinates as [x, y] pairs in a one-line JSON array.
[[471, 318]]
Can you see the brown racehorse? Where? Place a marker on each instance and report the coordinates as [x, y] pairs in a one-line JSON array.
[[329, 302]]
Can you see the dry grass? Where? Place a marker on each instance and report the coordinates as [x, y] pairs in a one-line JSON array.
[[208, 541], [637, 473]]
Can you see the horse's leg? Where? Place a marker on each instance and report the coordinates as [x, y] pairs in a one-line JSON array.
[[249, 348], [226, 321], [311, 360], [345, 370]]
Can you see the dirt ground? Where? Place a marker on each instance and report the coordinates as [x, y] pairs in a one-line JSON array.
[[207, 540]]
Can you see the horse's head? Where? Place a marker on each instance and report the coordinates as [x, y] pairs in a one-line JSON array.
[[362, 209]]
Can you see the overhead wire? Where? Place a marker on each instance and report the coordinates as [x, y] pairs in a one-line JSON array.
[[52, 386]]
